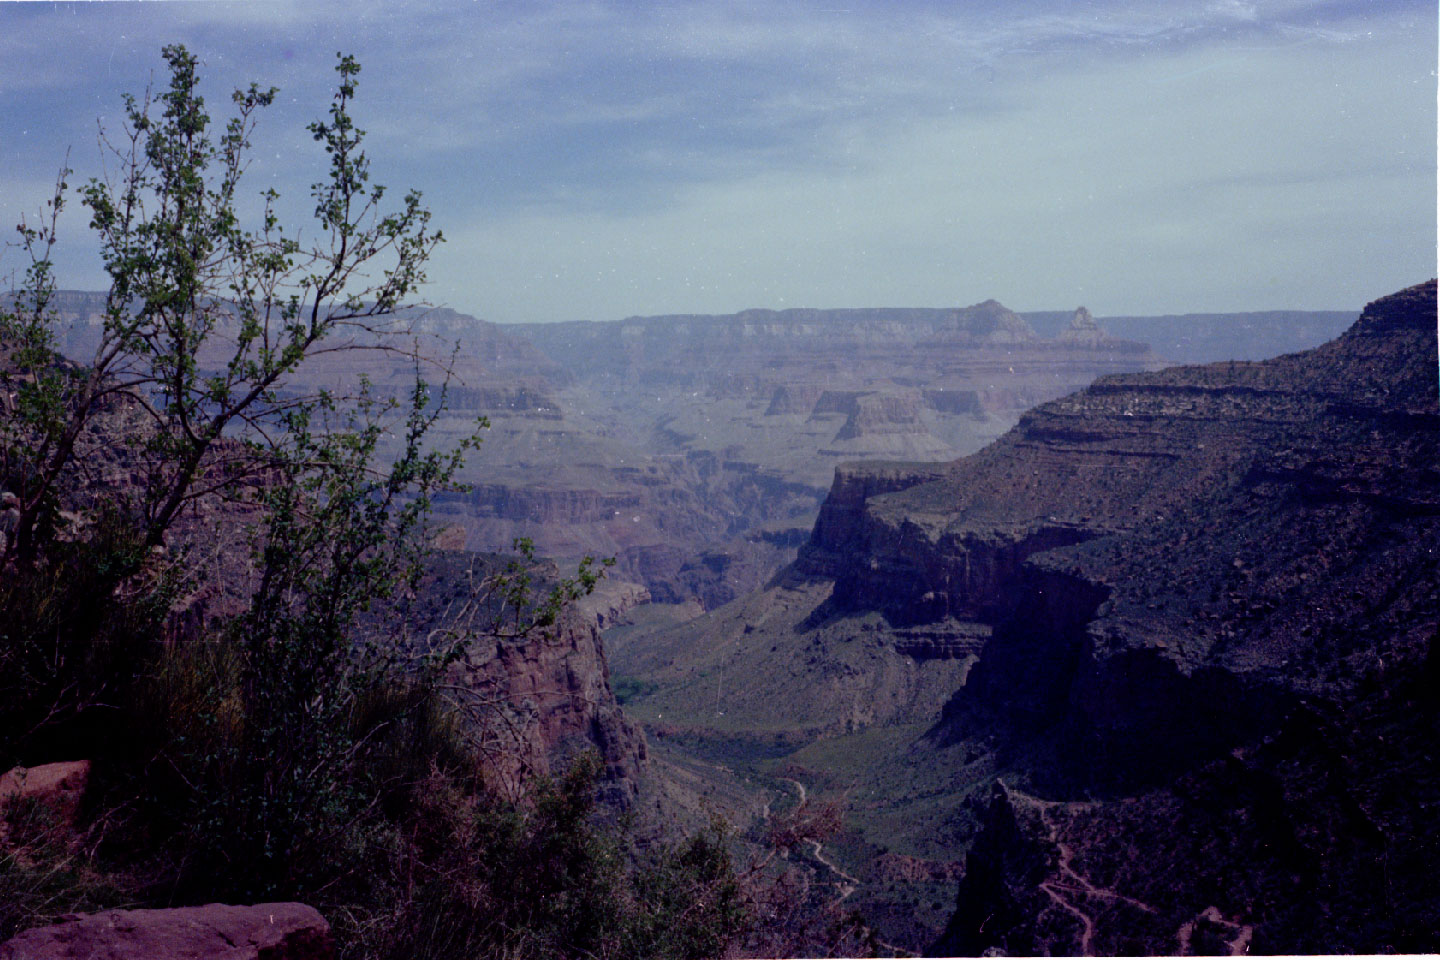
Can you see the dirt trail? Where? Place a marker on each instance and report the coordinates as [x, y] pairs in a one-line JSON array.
[[1069, 890], [847, 884], [1239, 946]]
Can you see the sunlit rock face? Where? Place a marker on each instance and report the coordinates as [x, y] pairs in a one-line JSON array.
[[532, 697]]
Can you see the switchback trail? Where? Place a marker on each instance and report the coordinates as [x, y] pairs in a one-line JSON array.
[[1069, 890], [847, 884], [1239, 946]]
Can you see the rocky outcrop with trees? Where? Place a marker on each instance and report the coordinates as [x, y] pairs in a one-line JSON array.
[[208, 566]]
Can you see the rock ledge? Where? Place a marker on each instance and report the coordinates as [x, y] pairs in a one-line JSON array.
[[216, 931]]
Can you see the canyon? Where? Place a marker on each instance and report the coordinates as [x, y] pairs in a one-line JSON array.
[[1148, 673], [1237, 679], [1000, 663], [697, 450]]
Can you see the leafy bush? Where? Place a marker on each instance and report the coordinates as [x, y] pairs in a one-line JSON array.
[[281, 755], [545, 880], [380, 817]]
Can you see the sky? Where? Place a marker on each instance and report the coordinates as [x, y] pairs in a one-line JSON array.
[[592, 161]]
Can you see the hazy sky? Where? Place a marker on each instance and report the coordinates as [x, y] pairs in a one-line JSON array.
[[597, 160]]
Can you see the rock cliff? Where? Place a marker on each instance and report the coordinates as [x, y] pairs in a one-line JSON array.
[[802, 351], [1202, 609], [1213, 593], [582, 414], [778, 397], [533, 697]]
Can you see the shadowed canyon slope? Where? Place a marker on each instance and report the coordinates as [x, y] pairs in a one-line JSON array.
[[1241, 674], [1187, 620]]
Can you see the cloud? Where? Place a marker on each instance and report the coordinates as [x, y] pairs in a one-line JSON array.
[[1133, 189], [757, 149]]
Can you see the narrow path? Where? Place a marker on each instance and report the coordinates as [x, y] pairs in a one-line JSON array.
[[847, 884], [1087, 923], [1239, 947], [1070, 884]]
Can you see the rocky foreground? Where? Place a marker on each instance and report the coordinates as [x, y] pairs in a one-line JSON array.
[[216, 931]]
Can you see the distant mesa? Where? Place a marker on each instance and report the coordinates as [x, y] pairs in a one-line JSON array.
[[836, 403], [886, 424], [1083, 329], [993, 322], [791, 400]]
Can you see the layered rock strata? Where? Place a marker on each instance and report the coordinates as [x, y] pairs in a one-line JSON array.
[[802, 351], [1214, 603]]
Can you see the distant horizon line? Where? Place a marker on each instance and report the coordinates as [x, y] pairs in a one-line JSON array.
[[783, 310]]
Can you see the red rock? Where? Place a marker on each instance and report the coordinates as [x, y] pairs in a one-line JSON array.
[[57, 787], [217, 931]]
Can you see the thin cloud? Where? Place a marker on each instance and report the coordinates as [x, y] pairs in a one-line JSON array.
[[575, 123]]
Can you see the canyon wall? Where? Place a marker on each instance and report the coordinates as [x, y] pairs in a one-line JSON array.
[[1213, 599], [658, 439], [533, 695], [778, 400], [1193, 614]]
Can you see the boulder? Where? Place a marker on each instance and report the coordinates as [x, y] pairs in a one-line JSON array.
[[216, 931], [55, 788]]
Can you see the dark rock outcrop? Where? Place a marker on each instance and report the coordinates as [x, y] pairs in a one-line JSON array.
[[1231, 657], [534, 698], [265, 931]]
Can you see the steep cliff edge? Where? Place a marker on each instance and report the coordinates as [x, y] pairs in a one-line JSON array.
[[1204, 602], [1214, 710], [533, 698]]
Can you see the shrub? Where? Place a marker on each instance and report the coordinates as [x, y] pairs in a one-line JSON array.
[[281, 755]]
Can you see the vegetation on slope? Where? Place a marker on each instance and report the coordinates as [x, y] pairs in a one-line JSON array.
[[274, 753]]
